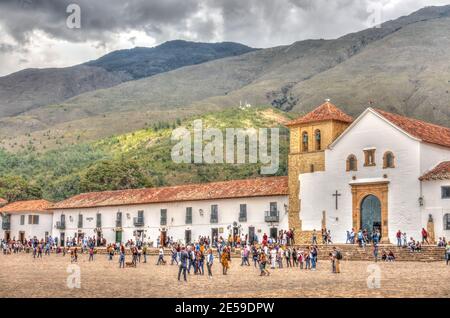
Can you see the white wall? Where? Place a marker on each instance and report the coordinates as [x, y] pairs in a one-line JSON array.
[[316, 189], [30, 230], [435, 205], [176, 212]]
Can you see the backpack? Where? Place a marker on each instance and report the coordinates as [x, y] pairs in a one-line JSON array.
[[338, 255]]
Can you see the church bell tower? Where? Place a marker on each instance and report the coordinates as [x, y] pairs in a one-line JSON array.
[[310, 135]]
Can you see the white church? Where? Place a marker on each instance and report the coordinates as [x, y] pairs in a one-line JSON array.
[[379, 171]]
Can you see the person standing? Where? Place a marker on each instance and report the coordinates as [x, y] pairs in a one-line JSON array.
[[91, 254], [314, 237], [262, 264], [424, 236], [375, 252], [399, 238], [225, 260], [447, 250], [144, 252], [122, 256], [161, 256], [183, 263], [336, 256], [209, 262]]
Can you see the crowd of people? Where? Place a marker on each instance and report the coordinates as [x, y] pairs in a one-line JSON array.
[[271, 253]]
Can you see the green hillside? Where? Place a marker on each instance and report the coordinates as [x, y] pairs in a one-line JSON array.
[[138, 159]]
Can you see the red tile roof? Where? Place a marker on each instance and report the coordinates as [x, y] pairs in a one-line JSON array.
[[326, 111], [27, 206], [440, 172], [270, 186], [427, 132]]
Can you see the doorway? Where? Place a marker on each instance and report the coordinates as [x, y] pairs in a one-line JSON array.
[[274, 233], [62, 238], [251, 234], [22, 236], [118, 237], [163, 238], [187, 236], [7, 236], [371, 214]]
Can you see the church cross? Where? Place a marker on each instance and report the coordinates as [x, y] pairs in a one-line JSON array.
[[337, 194]]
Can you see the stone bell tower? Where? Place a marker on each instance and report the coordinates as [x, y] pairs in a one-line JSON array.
[[310, 135]]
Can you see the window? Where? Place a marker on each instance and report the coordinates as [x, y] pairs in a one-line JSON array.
[[189, 215], [99, 220], [445, 192], [119, 219], [352, 163], [243, 213], [80, 220], [214, 214], [447, 222], [369, 156], [388, 160], [305, 141], [163, 220], [311, 168], [22, 220], [318, 138], [33, 219], [273, 208]]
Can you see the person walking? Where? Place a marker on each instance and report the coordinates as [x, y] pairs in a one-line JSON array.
[[209, 262], [314, 237], [161, 257], [144, 252], [424, 236], [183, 263]]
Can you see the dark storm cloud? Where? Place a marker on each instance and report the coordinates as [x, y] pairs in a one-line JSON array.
[[98, 18], [260, 23]]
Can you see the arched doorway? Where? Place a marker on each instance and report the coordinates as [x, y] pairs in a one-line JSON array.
[[371, 214]]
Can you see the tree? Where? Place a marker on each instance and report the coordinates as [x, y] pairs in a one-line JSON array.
[[15, 188], [114, 175]]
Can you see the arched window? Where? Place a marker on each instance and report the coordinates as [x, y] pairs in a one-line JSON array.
[[352, 163], [388, 160], [305, 141], [447, 222], [318, 138]]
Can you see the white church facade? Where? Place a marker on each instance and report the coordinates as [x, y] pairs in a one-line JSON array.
[[385, 172]]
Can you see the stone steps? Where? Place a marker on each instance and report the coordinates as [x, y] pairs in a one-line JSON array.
[[350, 252]]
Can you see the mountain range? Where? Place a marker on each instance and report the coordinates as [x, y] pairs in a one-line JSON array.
[[401, 66]]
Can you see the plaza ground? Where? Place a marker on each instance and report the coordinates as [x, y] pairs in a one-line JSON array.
[[22, 276]]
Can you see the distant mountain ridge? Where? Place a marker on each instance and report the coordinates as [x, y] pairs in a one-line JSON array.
[[31, 88], [402, 67]]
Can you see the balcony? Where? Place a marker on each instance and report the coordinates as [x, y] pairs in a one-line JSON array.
[[242, 218], [214, 219], [6, 226], [60, 225], [272, 216], [138, 221]]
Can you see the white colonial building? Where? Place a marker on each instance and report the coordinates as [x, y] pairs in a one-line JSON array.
[[25, 220], [252, 207], [382, 171]]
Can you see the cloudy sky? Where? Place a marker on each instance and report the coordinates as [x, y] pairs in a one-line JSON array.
[[35, 33]]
